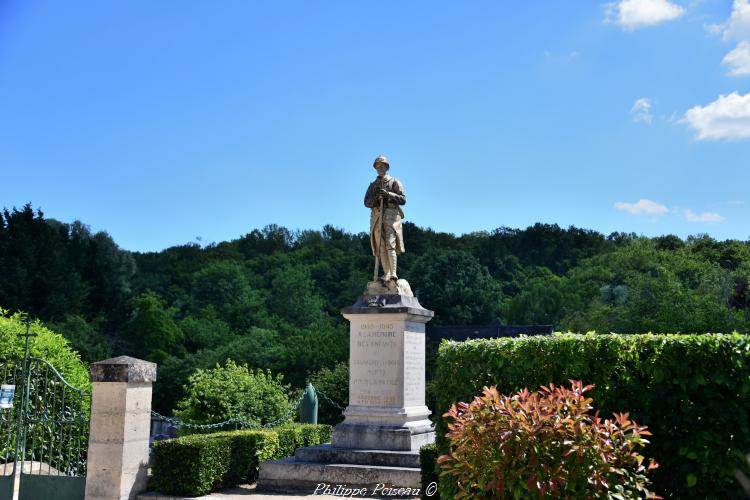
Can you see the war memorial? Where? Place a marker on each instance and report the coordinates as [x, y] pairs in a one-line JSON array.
[[386, 421]]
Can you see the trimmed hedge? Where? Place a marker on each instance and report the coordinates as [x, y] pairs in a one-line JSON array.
[[197, 464], [428, 465], [692, 391], [316, 433]]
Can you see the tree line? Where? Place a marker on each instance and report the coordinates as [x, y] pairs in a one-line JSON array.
[[271, 298]]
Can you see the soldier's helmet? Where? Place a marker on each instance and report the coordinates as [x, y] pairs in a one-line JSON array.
[[381, 159]]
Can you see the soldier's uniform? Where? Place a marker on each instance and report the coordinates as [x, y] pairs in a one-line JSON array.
[[386, 233]]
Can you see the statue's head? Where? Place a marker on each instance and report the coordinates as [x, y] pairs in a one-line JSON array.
[[381, 165]]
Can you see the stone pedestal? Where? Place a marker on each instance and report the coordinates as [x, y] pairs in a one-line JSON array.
[[386, 376], [120, 423]]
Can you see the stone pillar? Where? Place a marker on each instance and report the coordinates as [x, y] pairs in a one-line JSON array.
[[386, 376], [120, 426]]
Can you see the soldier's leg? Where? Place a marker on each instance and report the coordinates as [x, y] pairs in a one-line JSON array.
[[385, 262], [391, 255], [393, 261]]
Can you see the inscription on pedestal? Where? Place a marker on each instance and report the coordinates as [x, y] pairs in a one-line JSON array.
[[413, 369], [375, 374]]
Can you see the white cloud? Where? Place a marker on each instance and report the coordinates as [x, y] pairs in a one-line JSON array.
[[738, 60], [690, 216], [737, 26], [641, 111], [642, 206], [633, 14], [728, 118]]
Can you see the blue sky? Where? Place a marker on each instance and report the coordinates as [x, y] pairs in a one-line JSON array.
[[163, 121]]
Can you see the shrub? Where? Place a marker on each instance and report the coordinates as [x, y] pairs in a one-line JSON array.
[[190, 465], [290, 438], [428, 466], [234, 391], [315, 433], [47, 345], [546, 443], [692, 391], [194, 465]]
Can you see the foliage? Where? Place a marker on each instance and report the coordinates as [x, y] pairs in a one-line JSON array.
[[290, 438], [428, 466], [47, 345], [194, 465], [692, 391], [45, 393], [152, 329], [84, 337], [334, 383], [456, 284], [314, 434], [545, 443], [295, 435], [234, 391], [51, 269], [272, 297]]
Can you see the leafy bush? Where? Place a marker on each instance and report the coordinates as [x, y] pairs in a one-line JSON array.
[[195, 465], [546, 443], [47, 345], [234, 391], [692, 391], [428, 466], [55, 349], [335, 385]]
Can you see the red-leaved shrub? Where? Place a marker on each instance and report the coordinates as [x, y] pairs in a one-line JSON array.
[[545, 444]]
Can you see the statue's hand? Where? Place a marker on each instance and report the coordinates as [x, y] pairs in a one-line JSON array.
[[382, 193]]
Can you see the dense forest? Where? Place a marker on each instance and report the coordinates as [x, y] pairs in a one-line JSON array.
[[271, 298]]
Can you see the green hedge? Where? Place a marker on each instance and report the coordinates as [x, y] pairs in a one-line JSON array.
[[428, 465], [196, 464], [692, 391]]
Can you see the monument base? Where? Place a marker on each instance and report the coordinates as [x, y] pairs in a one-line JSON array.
[[383, 437], [391, 287], [373, 470]]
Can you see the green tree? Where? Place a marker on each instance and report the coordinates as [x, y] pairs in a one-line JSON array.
[[235, 391], [456, 285], [224, 286], [152, 329], [84, 337], [541, 300]]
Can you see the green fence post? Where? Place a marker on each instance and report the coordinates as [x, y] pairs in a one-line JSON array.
[[308, 408]]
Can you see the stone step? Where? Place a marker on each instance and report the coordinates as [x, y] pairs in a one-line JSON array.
[[292, 475], [327, 454]]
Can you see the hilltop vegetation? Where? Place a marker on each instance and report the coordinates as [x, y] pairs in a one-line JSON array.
[[271, 298]]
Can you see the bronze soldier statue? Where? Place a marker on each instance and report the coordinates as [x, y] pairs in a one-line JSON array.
[[384, 197]]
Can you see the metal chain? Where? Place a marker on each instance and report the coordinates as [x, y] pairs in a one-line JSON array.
[[238, 421], [331, 401]]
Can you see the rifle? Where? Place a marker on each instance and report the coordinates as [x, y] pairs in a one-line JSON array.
[[380, 238]]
